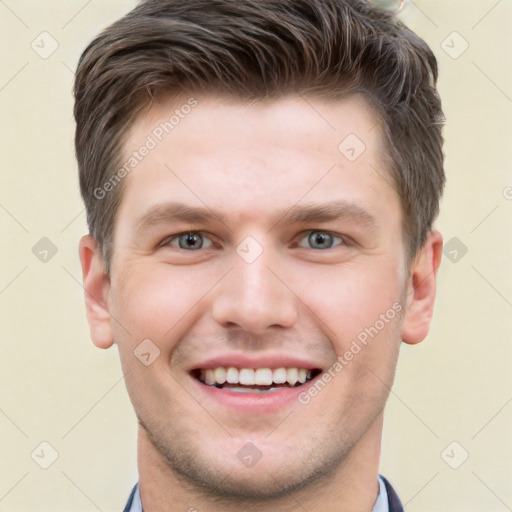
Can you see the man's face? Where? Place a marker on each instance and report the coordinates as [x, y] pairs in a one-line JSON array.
[[248, 239]]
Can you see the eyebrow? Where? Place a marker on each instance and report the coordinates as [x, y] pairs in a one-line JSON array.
[[336, 210], [297, 214], [169, 212]]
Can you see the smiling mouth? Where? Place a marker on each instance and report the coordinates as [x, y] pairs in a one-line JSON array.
[[254, 380]]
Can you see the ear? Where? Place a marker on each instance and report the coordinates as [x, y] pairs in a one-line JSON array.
[[421, 291], [97, 292]]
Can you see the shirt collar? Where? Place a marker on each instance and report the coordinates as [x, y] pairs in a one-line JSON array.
[[381, 503]]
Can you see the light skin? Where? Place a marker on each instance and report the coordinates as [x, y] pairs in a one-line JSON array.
[[270, 170]]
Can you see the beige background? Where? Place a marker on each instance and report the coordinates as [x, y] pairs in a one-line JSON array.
[[58, 388]]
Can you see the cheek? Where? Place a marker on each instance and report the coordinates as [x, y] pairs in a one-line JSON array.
[[353, 297], [157, 301]]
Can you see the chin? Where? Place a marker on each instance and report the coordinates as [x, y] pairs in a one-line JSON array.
[[226, 472]]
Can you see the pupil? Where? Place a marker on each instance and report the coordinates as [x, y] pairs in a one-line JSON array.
[[321, 239], [190, 241]]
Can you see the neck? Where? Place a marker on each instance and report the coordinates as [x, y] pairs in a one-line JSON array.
[[352, 486]]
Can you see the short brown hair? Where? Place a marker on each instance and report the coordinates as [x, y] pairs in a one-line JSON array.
[[258, 49]]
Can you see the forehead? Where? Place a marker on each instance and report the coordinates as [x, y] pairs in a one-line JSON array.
[[212, 119], [249, 158]]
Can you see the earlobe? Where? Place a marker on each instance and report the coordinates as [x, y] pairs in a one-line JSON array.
[[422, 290], [96, 289]]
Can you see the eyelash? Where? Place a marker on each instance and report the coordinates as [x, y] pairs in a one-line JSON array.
[[167, 241]]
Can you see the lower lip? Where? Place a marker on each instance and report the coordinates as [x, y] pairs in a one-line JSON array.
[[268, 402]]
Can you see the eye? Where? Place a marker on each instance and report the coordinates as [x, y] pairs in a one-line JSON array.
[[320, 240], [189, 241]]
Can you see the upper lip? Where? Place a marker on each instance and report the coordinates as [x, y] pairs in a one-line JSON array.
[[240, 360]]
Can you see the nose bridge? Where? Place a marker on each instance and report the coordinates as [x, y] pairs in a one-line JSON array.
[[252, 297]]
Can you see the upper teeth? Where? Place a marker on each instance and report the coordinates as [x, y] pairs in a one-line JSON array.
[[254, 376]]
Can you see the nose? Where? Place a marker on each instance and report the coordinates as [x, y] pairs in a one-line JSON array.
[[254, 297]]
